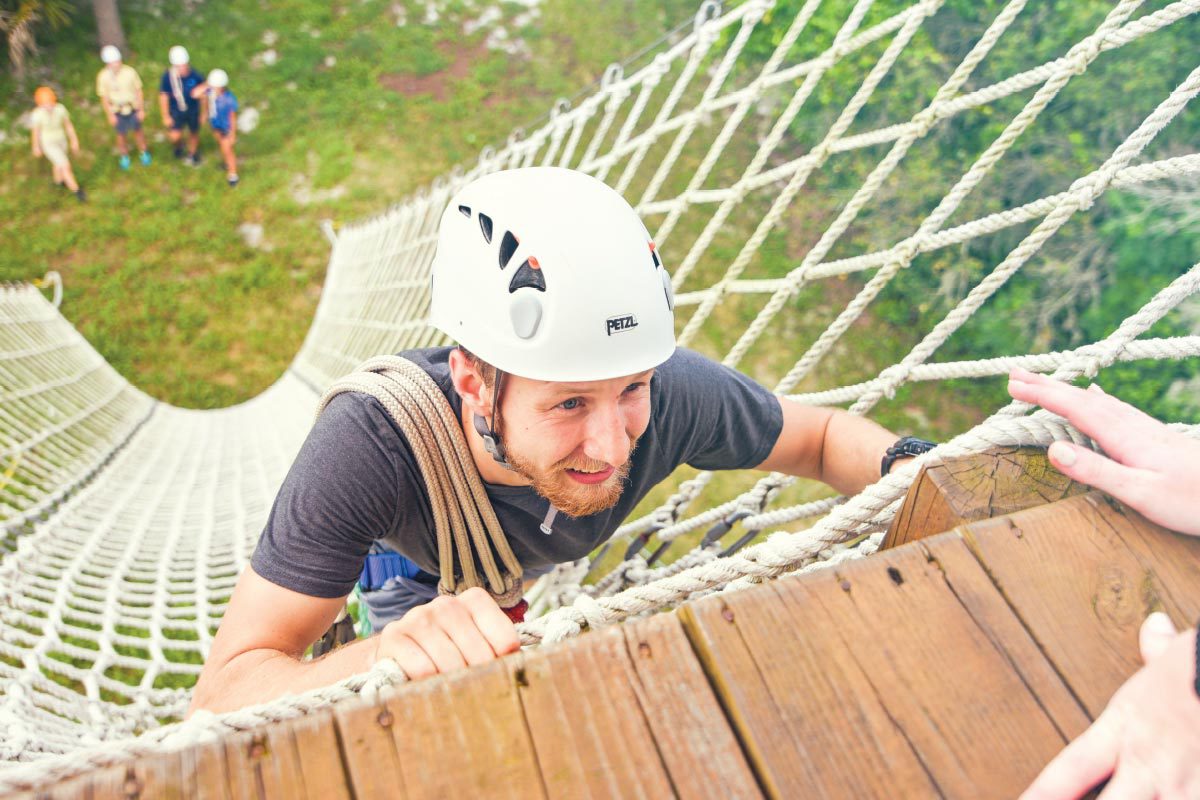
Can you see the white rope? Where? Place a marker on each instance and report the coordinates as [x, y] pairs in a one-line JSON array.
[[125, 522]]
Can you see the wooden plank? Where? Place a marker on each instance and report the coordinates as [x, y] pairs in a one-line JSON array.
[[368, 749], [157, 777], [878, 681], [697, 745], [1070, 573], [591, 737], [320, 755], [203, 772], [263, 764], [1174, 558], [463, 735], [1001, 481]]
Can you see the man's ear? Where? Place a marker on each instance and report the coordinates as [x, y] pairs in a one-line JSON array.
[[476, 397]]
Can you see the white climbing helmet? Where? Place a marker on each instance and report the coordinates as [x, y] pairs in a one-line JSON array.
[[549, 274], [178, 56], [218, 79], [109, 54]]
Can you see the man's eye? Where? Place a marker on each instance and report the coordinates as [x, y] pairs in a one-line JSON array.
[[633, 387], [569, 405]]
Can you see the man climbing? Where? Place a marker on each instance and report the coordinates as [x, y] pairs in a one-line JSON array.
[[178, 108], [574, 403]]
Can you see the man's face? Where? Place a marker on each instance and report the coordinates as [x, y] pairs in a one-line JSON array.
[[573, 441], [114, 66]]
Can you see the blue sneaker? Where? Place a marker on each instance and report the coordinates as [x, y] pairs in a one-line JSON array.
[[145, 158], [124, 162]]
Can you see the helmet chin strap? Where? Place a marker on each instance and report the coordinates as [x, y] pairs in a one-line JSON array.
[[491, 439]]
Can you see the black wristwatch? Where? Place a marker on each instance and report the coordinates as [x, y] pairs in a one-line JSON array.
[[905, 447]]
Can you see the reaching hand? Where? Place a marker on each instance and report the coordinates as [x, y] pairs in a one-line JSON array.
[[1147, 739], [1149, 467], [112, 120], [449, 633]]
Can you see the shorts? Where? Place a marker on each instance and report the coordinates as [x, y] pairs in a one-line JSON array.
[[56, 152], [189, 119], [128, 123], [221, 133]]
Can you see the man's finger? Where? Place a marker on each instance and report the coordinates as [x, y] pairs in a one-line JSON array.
[[415, 663], [1116, 425], [1086, 466], [493, 623], [1081, 765], [429, 635], [458, 623], [1156, 634]]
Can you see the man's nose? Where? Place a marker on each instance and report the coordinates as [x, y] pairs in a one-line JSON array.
[[607, 439]]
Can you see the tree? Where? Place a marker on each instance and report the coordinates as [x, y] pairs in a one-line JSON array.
[[18, 21], [108, 23]]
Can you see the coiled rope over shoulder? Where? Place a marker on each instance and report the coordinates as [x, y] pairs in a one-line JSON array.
[[469, 538]]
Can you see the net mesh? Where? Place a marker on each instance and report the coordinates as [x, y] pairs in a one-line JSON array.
[[765, 148]]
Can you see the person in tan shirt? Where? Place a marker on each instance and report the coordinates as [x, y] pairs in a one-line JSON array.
[[119, 88], [50, 133]]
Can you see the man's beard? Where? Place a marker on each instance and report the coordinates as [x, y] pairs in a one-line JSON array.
[[568, 495]]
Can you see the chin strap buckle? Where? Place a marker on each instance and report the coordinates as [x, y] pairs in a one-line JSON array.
[[491, 442]]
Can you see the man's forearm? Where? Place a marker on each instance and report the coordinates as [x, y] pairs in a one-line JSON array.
[[259, 676], [852, 451]]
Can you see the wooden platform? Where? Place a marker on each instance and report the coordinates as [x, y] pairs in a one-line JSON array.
[[953, 666]]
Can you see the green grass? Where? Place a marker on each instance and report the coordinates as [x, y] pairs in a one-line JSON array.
[[157, 276]]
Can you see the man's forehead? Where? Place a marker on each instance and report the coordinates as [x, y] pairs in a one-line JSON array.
[[586, 387]]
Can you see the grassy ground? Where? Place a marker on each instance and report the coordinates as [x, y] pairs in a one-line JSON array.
[[356, 112]]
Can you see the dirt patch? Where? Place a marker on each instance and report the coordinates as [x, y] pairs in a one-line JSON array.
[[436, 84]]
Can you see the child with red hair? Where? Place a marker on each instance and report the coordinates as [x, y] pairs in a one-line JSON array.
[[51, 131]]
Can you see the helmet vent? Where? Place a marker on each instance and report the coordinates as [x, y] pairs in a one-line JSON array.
[[528, 275], [485, 225], [465, 211], [508, 246], [654, 256]]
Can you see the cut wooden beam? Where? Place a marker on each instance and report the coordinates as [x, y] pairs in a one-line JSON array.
[[1000, 481], [1082, 574], [878, 679]]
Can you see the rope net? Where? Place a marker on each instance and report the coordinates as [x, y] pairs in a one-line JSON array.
[[742, 143]]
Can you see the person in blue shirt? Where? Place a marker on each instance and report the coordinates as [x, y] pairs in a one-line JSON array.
[[222, 108], [179, 106]]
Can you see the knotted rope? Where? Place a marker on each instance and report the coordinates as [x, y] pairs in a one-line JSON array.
[[469, 537]]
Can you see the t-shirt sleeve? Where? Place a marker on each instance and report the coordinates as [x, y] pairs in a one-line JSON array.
[[233, 103], [713, 417], [339, 496], [164, 85], [137, 80]]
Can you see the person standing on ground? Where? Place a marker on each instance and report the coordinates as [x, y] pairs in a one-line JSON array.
[[119, 88], [1147, 742], [50, 133], [179, 108], [221, 106]]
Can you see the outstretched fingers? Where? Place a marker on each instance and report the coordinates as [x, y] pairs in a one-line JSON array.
[[1081, 765], [1119, 427]]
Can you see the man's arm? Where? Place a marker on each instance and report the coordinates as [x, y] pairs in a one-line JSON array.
[[829, 445], [256, 654], [163, 100]]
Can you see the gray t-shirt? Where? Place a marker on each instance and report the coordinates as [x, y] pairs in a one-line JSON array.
[[355, 481]]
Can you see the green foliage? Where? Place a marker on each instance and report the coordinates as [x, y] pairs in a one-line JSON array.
[[356, 113]]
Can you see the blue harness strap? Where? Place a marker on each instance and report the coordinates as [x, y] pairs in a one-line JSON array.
[[380, 567]]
